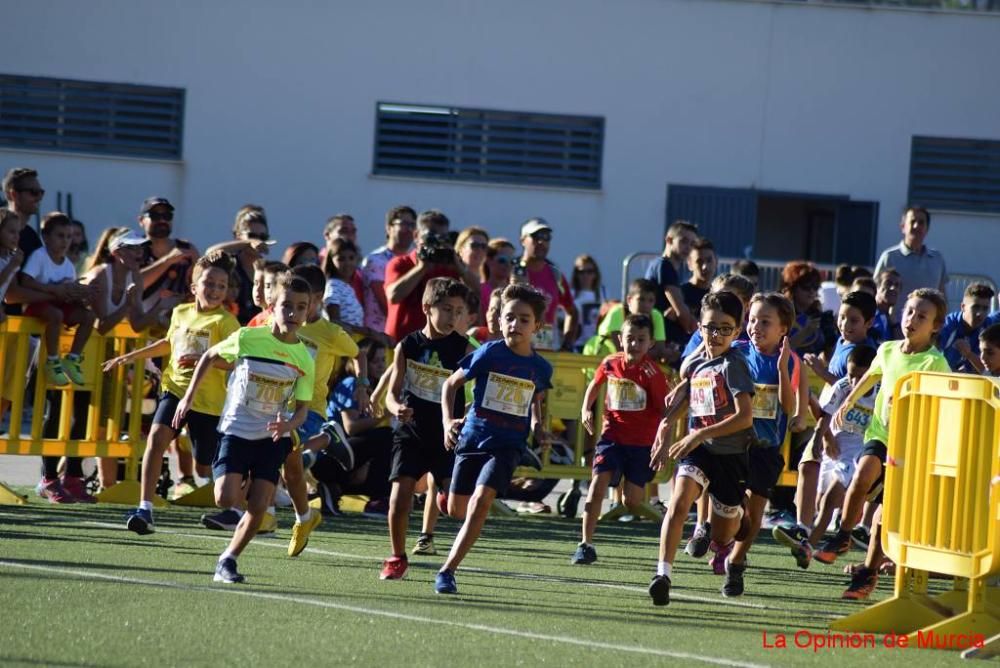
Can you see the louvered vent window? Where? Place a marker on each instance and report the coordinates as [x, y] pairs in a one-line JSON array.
[[955, 174]]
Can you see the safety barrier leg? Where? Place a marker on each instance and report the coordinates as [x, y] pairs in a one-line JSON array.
[[908, 610], [989, 650], [977, 618], [202, 497], [9, 497]]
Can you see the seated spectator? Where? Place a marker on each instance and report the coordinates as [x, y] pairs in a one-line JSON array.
[[251, 241], [340, 301], [301, 252], [11, 256], [863, 284], [78, 247], [49, 270], [887, 289], [814, 331], [588, 295], [113, 271], [497, 269], [471, 245], [342, 226], [959, 336]]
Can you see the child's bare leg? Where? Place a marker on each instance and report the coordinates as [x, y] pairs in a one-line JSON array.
[[704, 509], [258, 498], [458, 505], [867, 472], [755, 507], [805, 493], [686, 491], [430, 507], [107, 471], [83, 318], [229, 492], [633, 495], [53, 319], [831, 500], [400, 504], [867, 519], [293, 474], [592, 508], [152, 460], [875, 555], [478, 510]]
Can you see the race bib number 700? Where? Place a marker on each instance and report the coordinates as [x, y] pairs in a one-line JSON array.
[[625, 395], [508, 394], [267, 395]]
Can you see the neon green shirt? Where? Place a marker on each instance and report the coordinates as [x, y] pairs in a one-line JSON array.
[[615, 318], [893, 364]]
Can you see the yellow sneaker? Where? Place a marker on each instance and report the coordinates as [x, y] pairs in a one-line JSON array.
[[268, 524], [301, 531]]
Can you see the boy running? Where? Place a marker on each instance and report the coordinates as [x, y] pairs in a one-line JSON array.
[[490, 440], [422, 362], [634, 405], [713, 455], [270, 367]]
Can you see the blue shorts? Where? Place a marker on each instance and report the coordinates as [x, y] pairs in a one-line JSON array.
[[631, 461], [260, 459], [202, 427], [490, 469], [312, 426]]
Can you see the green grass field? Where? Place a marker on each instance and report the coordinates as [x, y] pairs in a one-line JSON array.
[[77, 589]]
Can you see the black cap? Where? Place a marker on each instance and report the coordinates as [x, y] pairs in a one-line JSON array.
[[152, 202]]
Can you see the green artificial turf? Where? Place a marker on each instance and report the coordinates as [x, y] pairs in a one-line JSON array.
[[77, 589]]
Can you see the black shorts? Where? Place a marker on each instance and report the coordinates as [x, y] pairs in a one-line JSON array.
[[259, 459], [877, 449], [414, 455], [766, 465], [630, 461], [725, 476], [490, 469], [202, 427]]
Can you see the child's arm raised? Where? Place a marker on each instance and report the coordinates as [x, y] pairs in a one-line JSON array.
[[452, 425], [786, 393], [398, 373], [209, 360], [864, 386], [159, 348]]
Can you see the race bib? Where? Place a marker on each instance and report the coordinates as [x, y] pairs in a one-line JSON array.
[[267, 395], [190, 342], [887, 410], [425, 381], [545, 338], [702, 398], [765, 402], [508, 394], [624, 395], [857, 419]]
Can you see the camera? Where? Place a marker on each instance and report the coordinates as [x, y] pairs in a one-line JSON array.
[[436, 249]]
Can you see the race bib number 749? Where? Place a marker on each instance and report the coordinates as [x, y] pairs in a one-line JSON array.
[[508, 394], [702, 398]]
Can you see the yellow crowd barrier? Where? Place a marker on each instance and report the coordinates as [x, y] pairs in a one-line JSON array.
[[941, 511], [110, 432]]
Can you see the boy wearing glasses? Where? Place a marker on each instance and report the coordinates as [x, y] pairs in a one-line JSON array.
[[719, 391]]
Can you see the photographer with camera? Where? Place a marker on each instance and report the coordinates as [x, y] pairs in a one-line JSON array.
[[406, 275]]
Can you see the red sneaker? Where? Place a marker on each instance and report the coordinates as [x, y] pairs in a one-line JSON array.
[[52, 490], [442, 502], [77, 489], [394, 568], [863, 583]]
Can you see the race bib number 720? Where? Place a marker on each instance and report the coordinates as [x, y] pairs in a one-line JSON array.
[[508, 394]]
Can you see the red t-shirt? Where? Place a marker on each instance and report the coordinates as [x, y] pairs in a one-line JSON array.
[[408, 315], [633, 404]]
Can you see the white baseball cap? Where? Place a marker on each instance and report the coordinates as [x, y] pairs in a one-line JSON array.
[[126, 238], [534, 225]]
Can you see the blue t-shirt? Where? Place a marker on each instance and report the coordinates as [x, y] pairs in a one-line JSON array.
[[953, 329], [341, 399], [770, 421], [661, 271], [838, 361], [506, 384], [881, 331]]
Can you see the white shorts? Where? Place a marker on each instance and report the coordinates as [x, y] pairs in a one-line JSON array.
[[835, 470]]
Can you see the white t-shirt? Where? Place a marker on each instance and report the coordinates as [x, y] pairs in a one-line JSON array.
[[41, 268], [340, 293], [4, 261], [373, 271], [588, 306], [851, 438]]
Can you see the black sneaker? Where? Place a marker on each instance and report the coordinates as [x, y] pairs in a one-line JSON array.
[[339, 448], [861, 536], [329, 496], [585, 554], [697, 545], [833, 547], [140, 521], [659, 590], [789, 536], [733, 586], [225, 571], [224, 521]]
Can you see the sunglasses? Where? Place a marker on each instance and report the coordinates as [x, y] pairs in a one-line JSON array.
[[408, 224], [542, 236], [477, 245], [722, 330], [35, 192], [261, 236], [503, 259], [585, 270], [164, 216]]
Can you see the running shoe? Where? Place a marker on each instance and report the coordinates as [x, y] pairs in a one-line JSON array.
[[53, 490], [861, 536], [718, 560], [733, 586], [585, 554], [225, 571], [222, 521], [301, 531], [55, 374], [376, 509], [796, 539], [697, 545], [442, 502], [833, 547], [339, 448], [394, 568], [329, 496], [182, 488], [425, 545], [71, 366], [628, 518], [659, 590], [444, 583], [140, 521], [75, 486], [863, 583]]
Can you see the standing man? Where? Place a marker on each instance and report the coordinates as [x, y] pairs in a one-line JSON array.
[[406, 275], [166, 262], [400, 226], [665, 272], [535, 268], [919, 266]]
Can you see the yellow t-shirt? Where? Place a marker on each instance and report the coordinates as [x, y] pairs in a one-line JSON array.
[[328, 344], [192, 332]]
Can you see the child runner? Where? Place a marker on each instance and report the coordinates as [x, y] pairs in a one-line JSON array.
[[959, 337], [923, 316], [775, 371], [264, 277], [491, 439], [422, 362], [271, 367], [713, 455], [194, 328], [633, 409], [841, 447]]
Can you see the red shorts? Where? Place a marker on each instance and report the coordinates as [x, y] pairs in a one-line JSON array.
[[35, 309]]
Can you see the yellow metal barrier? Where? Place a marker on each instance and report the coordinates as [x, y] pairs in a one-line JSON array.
[[941, 509], [108, 432]]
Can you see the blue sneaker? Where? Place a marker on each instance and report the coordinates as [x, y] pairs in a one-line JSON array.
[[140, 521], [444, 583], [225, 571]]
